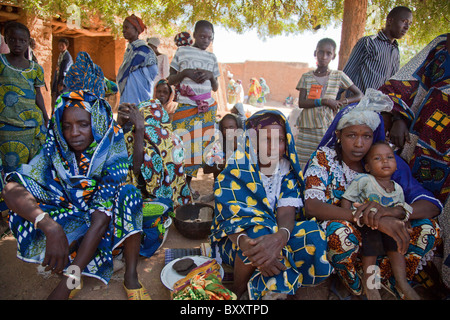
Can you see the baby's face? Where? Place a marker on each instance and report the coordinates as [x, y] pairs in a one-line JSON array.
[[380, 161]]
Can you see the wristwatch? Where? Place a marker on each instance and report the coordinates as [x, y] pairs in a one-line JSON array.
[[408, 210]]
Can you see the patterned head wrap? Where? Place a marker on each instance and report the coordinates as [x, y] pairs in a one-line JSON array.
[[136, 22], [367, 111], [265, 120], [84, 74], [183, 39]]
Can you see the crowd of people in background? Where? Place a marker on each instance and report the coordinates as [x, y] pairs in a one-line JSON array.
[[364, 182]]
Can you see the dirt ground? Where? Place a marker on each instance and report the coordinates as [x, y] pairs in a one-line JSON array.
[[20, 280], [23, 281]]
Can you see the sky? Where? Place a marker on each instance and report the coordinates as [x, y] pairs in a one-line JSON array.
[[232, 47]]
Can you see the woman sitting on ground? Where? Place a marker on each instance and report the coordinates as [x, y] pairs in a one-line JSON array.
[[72, 199], [331, 169], [257, 225]]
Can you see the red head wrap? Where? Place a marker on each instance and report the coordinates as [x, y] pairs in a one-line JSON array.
[[136, 22]]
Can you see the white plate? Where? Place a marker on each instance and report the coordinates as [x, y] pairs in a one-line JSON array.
[[169, 276]]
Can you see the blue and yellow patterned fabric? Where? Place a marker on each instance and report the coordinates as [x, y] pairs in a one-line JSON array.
[[242, 204], [70, 191]]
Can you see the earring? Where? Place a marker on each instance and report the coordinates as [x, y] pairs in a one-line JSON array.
[[338, 141]]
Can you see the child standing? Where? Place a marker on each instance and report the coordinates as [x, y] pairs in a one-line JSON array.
[[317, 97], [377, 186], [23, 116], [194, 71]]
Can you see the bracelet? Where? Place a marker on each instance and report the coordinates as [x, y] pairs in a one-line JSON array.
[[408, 210], [288, 232], [39, 219], [358, 222], [317, 102], [237, 240]]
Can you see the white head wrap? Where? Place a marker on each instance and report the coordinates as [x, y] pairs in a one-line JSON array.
[[154, 41], [367, 110]]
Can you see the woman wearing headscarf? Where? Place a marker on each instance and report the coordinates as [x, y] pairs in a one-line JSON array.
[[265, 90], [331, 169], [71, 206], [258, 226], [139, 67], [419, 125], [254, 92], [165, 93]]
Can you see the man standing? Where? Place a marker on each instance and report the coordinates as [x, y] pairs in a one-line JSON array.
[[376, 58], [63, 65]]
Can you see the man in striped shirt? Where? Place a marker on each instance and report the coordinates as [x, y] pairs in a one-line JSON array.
[[376, 58]]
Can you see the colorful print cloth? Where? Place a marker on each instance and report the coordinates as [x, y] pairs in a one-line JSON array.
[[327, 178], [22, 128], [162, 180], [242, 204], [70, 191], [421, 93]]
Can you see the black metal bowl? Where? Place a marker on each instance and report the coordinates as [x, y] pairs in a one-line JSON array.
[[188, 223]]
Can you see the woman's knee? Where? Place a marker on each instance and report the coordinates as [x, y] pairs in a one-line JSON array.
[[100, 221], [342, 236]]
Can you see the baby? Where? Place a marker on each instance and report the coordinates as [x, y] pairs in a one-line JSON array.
[[377, 186]]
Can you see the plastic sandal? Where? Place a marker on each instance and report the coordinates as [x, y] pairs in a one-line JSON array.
[[74, 292], [137, 294]]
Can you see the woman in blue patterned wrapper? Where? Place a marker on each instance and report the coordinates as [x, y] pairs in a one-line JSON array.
[[71, 206], [139, 68], [257, 225]]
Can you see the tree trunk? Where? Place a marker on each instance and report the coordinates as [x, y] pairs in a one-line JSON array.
[[353, 25]]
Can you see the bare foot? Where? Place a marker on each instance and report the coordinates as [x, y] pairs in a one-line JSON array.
[[61, 292], [408, 291], [372, 294]]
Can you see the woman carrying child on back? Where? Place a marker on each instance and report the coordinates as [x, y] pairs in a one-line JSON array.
[[377, 185], [317, 97], [194, 71]]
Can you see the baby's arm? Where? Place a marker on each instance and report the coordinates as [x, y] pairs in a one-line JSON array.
[[347, 204], [40, 103], [176, 77]]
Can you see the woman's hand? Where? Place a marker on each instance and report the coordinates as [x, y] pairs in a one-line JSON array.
[[129, 112], [399, 133], [398, 230], [332, 104], [57, 246], [370, 213], [265, 252]]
